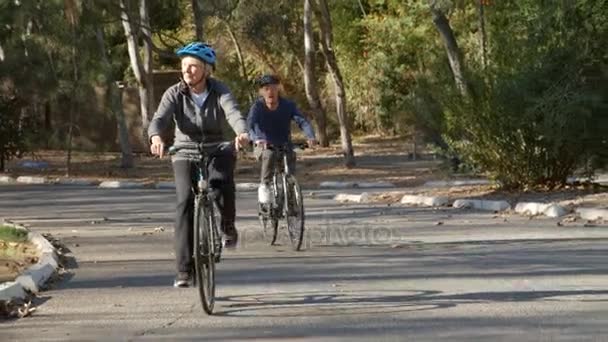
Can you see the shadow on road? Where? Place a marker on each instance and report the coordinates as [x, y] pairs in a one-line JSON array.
[[328, 303]]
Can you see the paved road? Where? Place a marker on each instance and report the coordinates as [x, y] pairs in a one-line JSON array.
[[369, 272]]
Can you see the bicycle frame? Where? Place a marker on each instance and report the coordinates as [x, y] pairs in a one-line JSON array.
[[279, 174], [285, 190], [207, 239]]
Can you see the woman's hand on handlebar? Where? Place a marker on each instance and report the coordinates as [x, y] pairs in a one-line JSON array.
[[241, 141], [157, 147]]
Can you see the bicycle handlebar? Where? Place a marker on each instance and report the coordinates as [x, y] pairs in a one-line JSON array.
[[286, 147], [194, 147]]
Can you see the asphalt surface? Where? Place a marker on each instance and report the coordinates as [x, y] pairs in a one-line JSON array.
[[368, 272]]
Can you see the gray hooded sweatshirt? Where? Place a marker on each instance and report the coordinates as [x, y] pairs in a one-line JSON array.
[[206, 124]]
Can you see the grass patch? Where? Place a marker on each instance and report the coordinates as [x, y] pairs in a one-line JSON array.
[[12, 234]]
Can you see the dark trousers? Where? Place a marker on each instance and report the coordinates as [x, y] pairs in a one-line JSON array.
[[271, 159], [221, 177]]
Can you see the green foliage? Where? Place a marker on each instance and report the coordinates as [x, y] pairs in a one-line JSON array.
[[13, 129], [12, 234], [538, 112]]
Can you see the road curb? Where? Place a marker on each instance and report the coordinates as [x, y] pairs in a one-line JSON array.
[[464, 182], [482, 205], [113, 184], [7, 179], [76, 181], [337, 185], [164, 185], [552, 210], [352, 198], [537, 208], [32, 279], [121, 185], [11, 290], [430, 201], [247, 187], [32, 180], [592, 214], [355, 185]]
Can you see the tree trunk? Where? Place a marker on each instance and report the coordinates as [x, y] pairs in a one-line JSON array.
[[147, 86], [136, 63], [310, 81], [71, 11], [115, 98], [198, 19], [482, 34], [447, 35], [239, 53], [324, 18], [68, 162]]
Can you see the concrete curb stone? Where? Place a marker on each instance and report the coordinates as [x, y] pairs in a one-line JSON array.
[[7, 179], [431, 201], [36, 275], [32, 180], [592, 214], [482, 205]]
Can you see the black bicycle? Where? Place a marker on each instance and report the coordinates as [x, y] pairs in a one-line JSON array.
[[207, 239], [287, 202]]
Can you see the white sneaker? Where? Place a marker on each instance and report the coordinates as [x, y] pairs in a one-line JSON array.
[[264, 194]]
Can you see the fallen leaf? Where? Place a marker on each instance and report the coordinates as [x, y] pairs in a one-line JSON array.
[[26, 310], [438, 223], [569, 219]]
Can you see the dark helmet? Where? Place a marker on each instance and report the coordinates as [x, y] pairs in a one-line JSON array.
[[266, 80], [202, 51]]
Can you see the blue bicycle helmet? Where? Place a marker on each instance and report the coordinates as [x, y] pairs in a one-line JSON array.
[[199, 50]]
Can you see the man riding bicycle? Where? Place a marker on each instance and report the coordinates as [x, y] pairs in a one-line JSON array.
[[269, 123], [200, 106]]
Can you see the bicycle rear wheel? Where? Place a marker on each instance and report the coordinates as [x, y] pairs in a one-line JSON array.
[[294, 211], [204, 253]]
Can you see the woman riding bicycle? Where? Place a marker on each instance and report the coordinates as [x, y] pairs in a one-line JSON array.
[[199, 105], [269, 123]]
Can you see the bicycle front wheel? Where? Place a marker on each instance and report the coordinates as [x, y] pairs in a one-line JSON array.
[[269, 223], [204, 253], [294, 211]]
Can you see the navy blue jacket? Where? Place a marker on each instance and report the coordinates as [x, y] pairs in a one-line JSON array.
[[274, 126]]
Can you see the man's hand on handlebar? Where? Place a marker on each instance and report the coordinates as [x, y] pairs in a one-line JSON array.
[[263, 144]]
